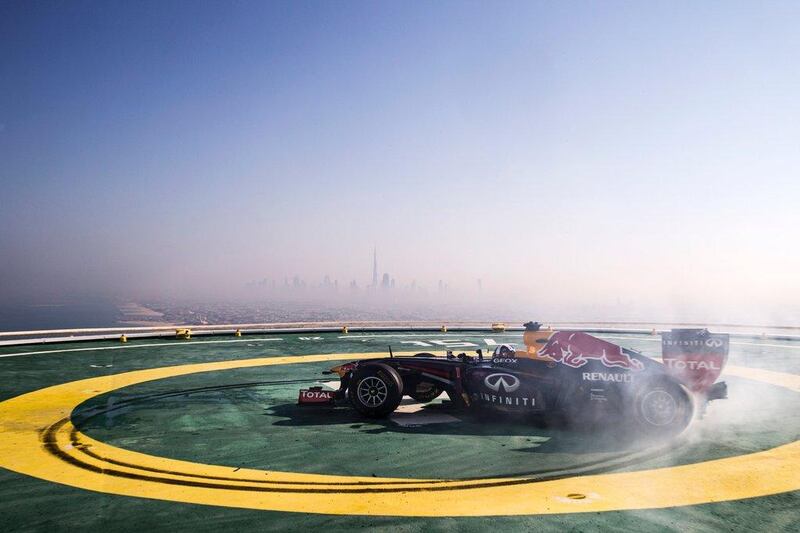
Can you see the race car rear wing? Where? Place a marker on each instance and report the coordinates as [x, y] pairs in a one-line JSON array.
[[695, 356]]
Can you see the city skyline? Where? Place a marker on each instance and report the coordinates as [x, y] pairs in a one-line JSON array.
[[380, 281]]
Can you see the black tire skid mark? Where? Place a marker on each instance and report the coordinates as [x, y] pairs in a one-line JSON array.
[[51, 446]]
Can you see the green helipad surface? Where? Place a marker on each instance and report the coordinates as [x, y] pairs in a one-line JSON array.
[[245, 420]]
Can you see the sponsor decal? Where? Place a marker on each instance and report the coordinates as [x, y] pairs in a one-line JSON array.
[[505, 361], [597, 395], [501, 382], [511, 401], [616, 377], [315, 396], [576, 349], [694, 343], [680, 364]]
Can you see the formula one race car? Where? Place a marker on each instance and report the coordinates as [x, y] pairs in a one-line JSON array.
[[566, 372]]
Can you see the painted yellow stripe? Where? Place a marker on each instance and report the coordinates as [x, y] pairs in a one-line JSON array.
[[25, 419], [788, 381]]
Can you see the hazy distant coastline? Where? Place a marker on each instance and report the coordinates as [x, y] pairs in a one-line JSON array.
[[91, 314], [136, 314], [203, 313]]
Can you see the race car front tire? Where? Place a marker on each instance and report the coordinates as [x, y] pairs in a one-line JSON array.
[[375, 390]]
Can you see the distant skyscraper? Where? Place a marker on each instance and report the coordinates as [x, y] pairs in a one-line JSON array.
[[375, 266]]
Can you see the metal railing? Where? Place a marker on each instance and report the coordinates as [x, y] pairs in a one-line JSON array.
[[132, 332]]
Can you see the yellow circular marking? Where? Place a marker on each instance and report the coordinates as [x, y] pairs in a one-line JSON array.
[[39, 440]]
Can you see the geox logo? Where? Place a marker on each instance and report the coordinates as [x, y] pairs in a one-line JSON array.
[[505, 361], [506, 382]]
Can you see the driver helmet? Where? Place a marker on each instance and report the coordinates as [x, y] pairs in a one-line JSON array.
[[504, 351]]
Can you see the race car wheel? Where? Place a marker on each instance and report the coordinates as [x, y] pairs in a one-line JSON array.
[[425, 392], [664, 407], [376, 390]]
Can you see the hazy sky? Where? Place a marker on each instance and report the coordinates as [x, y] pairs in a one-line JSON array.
[[641, 153]]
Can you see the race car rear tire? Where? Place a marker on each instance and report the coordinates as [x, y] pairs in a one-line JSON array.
[[425, 392], [375, 390], [663, 407]]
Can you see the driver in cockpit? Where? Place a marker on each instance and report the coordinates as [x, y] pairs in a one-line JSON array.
[[534, 338]]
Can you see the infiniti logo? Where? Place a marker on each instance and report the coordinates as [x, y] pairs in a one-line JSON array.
[[713, 343], [508, 382]]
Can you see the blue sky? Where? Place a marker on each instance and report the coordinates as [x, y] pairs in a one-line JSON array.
[[587, 152]]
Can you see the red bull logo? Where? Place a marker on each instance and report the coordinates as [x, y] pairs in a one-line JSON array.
[[575, 349]]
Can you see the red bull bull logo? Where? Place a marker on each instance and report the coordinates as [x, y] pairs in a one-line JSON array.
[[575, 349]]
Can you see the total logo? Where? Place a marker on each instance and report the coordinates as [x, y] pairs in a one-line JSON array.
[[317, 395], [680, 364], [313, 397], [501, 382]]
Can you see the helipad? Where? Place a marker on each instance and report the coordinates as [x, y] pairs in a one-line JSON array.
[[205, 432]]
